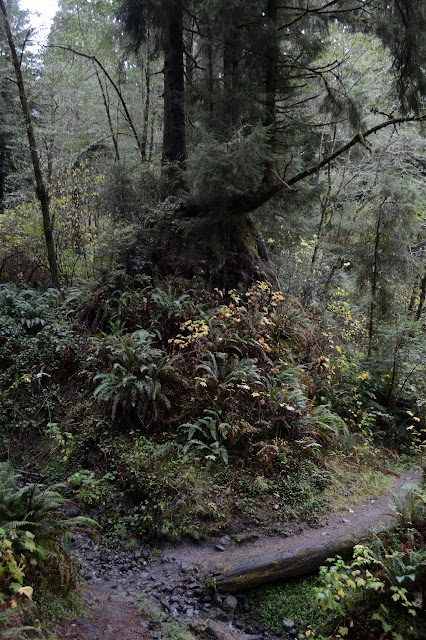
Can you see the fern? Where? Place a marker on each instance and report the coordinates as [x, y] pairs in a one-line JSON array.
[[211, 430], [168, 304], [326, 422], [135, 381]]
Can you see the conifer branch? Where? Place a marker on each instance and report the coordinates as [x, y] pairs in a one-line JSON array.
[[359, 138], [249, 201]]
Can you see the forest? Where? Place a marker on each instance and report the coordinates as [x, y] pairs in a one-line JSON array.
[[212, 290]]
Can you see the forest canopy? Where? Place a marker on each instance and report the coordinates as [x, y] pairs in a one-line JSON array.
[[225, 106]]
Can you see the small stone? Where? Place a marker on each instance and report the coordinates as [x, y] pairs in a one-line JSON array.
[[230, 603], [288, 624], [219, 547], [225, 540]]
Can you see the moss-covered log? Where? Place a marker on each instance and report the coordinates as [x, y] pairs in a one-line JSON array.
[[275, 567]]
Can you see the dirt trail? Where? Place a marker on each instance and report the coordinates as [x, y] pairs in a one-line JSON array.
[[374, 514], [175, 580]]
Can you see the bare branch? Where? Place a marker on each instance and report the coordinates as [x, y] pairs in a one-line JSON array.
[[113, 84]]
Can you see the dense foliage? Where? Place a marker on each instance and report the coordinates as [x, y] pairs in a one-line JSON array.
[[212, 306]]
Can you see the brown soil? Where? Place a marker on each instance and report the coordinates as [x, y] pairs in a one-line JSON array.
[[106, 618]]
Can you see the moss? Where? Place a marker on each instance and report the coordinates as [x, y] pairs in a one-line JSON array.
[[271, 605]]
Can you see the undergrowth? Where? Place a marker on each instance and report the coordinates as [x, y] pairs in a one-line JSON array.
[[178, 410], [290, 601], [37, 575]]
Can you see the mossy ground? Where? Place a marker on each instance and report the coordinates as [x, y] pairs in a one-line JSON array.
[[291, 600]]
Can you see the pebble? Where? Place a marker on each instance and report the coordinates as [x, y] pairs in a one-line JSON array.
[[288, 624]]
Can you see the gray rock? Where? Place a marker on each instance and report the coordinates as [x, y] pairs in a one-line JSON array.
[[219, 547], [288, 624], [230, 604]]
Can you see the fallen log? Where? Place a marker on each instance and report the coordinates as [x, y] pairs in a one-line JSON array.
[[275, 567]]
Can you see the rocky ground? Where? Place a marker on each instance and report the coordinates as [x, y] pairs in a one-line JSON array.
[[170, 588]]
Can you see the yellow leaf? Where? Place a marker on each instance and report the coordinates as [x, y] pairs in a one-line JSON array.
[[343, 631], [27, 591]]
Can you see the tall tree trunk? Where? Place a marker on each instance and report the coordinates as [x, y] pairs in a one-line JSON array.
[[414, 294], [146, 106], [422, 297], [374, 280], [3, 159], [174, 133], [41, 190], [231, 71], [270, 121]]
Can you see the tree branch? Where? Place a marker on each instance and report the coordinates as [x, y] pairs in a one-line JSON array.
[[249, 201], [113, 84]]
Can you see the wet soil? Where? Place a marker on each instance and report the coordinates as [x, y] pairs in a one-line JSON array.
[[174, 581]]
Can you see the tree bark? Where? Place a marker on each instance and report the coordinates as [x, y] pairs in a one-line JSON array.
[[146, 106], [3, 162], [41, 190], [270, 121], [174, 133], [422, 297], [374, 278]]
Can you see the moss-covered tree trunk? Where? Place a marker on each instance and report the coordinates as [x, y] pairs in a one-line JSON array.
[[221, 250], [41, 190]]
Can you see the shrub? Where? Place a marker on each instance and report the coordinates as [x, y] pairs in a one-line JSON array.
[[33, 530], [380, 593]]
